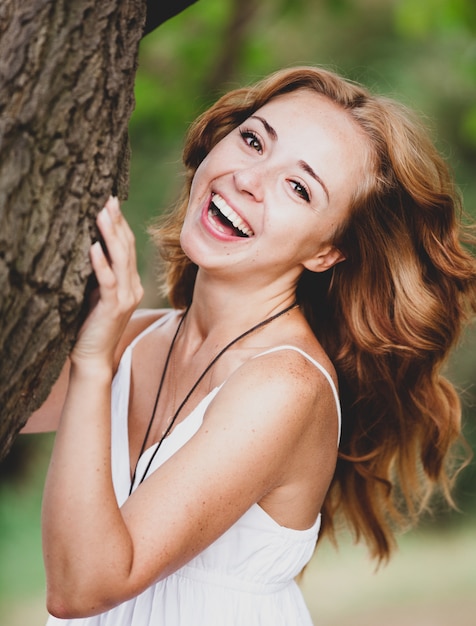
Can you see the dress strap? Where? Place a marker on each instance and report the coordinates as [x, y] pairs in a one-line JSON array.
[[153, 326], [323, 371]]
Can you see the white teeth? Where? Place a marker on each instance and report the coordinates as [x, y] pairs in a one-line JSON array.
[[231, 215]]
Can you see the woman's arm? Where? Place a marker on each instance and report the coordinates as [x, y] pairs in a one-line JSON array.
[[80, 464], [98, 555], [46, 418]]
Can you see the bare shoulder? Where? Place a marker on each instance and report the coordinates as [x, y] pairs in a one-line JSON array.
[[140, 320], [285, 384], [292, 367], [280, 412]]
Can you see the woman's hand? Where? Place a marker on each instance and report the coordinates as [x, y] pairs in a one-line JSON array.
[[119, 290]]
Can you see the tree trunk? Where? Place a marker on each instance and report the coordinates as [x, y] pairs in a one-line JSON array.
[[66, 94]]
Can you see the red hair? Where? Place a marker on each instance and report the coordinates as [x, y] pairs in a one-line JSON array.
[[387, 316]]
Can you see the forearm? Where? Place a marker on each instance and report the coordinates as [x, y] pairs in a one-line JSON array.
[[87, 547], [86, 543]]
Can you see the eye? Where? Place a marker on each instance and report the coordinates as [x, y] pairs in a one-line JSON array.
[[300, 189], [251, 139]]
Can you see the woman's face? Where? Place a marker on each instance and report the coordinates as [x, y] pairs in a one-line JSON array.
[[269, 197]]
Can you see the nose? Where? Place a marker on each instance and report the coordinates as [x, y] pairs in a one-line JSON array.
[[250, 180]]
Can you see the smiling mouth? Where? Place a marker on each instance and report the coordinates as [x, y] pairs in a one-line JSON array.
[[226, 219]]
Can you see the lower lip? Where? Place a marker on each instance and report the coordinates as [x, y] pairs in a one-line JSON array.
[[213, 230]]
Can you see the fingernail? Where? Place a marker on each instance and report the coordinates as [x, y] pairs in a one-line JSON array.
[[104, 215], [113, 203], [96, 248]]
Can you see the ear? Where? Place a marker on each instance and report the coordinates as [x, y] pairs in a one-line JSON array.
[[324, 259]]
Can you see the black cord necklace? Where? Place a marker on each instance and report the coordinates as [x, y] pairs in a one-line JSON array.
[[192, 389]]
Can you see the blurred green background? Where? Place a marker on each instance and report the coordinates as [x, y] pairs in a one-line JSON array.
[[423, 53]]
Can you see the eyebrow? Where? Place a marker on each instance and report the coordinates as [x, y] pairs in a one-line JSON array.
[[268, 128], [305, 166]]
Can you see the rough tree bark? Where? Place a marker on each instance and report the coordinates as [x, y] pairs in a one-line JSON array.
[[67, 72]]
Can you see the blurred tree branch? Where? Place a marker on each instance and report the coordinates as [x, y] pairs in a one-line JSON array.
[[242, 14]]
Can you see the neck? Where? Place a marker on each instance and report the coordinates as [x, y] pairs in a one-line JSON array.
[[220, 312]]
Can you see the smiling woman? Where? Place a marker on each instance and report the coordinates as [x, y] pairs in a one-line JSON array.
[[200, 450], [281, 182]]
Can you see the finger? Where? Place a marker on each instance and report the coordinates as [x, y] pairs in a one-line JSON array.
[[117, 217], [104, 273], [116, 244], [118, 270], [118, 236]]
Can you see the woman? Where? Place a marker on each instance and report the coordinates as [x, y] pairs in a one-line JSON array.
[[317, 241]]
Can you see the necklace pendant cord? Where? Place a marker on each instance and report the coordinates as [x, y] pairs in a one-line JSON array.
[[192, 389]]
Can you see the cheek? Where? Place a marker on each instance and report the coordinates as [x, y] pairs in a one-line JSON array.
[[195, 186], [199, 191], [187, 238], [183, 237]]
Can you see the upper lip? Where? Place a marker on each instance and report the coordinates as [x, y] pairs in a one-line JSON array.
[[231, 214]]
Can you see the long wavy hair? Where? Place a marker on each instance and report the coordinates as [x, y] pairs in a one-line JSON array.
[[387, 316]]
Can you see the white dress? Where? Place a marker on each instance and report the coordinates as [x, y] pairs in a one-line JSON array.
[[244, 578]]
